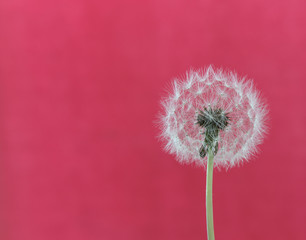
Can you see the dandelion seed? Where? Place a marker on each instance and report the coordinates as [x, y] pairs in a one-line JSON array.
[[213, 89], [213, 118]]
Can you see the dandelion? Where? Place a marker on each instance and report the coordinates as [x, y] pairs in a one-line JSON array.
[[212, 118]]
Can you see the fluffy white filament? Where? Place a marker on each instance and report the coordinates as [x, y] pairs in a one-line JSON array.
[[216, 89]]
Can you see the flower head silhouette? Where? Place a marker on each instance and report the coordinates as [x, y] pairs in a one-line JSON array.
[[213, 109]]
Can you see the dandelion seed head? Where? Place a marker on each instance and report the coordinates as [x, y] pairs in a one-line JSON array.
[[213, 96]]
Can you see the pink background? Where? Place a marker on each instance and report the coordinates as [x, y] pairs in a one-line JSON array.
[[80, 84]]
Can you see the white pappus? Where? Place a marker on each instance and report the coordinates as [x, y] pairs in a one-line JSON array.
[[213, 89]]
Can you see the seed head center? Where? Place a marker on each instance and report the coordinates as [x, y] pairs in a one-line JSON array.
[[212, 120]]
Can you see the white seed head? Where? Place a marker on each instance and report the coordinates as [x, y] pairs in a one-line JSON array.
[[214, 89]]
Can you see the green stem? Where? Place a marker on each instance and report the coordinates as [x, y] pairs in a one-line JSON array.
[[209, 204]]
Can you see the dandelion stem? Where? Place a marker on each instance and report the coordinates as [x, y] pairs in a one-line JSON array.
[[209, 204]]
